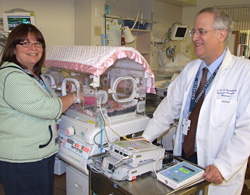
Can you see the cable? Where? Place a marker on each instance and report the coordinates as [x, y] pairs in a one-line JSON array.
[[95, 162], [108, 123], [124, 158], [107, 137], [155, 168], [117, 164], [94, 168], [108, 118], [137, 17], [95, 140], [101, 135], [124, 137]]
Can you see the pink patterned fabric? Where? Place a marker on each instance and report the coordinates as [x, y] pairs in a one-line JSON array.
[[94, 59]]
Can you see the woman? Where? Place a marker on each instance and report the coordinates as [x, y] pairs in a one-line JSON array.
[[29, 111]]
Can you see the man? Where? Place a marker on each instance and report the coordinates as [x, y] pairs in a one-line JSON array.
[[222, 137]]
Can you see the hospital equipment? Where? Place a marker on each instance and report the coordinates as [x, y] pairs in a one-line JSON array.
[[130, 158], [145, 184], [180, 175], [127, 159], [13, 18], [115, 81], [178, 32], [129, 38]]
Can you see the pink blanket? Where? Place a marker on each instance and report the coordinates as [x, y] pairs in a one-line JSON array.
[[94, 59]]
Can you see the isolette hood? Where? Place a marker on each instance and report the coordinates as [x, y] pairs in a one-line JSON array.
[[95, 59]]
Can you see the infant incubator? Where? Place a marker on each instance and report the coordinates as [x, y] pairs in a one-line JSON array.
[[114, 81]]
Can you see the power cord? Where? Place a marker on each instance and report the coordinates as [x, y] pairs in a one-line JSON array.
[[107, 122]]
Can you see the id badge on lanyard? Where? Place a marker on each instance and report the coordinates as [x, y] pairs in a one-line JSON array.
[[186, 122], [186, 126]]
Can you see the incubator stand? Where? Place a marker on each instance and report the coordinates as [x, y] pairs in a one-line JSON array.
[[114, 81]]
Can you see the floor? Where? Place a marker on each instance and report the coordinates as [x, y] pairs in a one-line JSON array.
[[59, 185]]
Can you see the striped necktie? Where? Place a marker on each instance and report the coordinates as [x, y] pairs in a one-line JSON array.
[[189, 140]]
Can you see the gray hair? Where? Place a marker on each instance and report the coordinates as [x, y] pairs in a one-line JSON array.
[[221, 20]]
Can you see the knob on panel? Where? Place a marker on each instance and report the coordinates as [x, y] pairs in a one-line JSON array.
[[70, 131]]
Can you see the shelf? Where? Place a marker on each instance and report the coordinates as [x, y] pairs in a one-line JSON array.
[[142, 36], [121, 18], [182, 3], [144, 53], [141, 30], [142, 43]]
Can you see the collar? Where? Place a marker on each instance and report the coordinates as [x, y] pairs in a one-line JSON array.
[[212, 67]]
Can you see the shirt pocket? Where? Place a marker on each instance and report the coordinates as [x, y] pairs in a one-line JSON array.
[[223, 112]]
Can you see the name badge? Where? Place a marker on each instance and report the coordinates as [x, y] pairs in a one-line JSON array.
[[186, 126], [57, 140]]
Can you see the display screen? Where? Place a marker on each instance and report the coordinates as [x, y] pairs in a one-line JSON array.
[[184, 170], [180, 32], [14, 21], [70, 141]]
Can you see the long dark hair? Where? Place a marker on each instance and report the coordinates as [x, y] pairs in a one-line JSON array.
[[17, 35]]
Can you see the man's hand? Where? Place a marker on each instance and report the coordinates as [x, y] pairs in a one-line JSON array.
[[141, 138], [213, 175]]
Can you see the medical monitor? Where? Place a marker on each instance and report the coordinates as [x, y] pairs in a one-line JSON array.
[[178, 32], [13, 19]]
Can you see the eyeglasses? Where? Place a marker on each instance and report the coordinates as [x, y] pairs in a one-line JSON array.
[[199, 32], [27, 44]]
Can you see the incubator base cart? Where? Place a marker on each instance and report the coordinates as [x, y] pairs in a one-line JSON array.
[[114, 81]]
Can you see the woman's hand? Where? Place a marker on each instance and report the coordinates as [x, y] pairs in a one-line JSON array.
[[68, 100], [68, 87], [82, 99]]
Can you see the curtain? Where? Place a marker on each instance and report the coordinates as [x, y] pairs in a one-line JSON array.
[[240, 17], [241, 23]]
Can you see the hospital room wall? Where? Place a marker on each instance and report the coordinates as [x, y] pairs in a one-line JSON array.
[[89, 22], [188, 17], [72, 22], [63, 22], [55, 18], [89, 17], [130, 8], [162, 14], [82, 15]]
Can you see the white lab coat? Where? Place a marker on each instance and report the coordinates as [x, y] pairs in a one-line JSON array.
[[223, 130]]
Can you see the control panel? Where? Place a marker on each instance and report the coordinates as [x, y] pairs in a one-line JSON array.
[[74, 146]]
